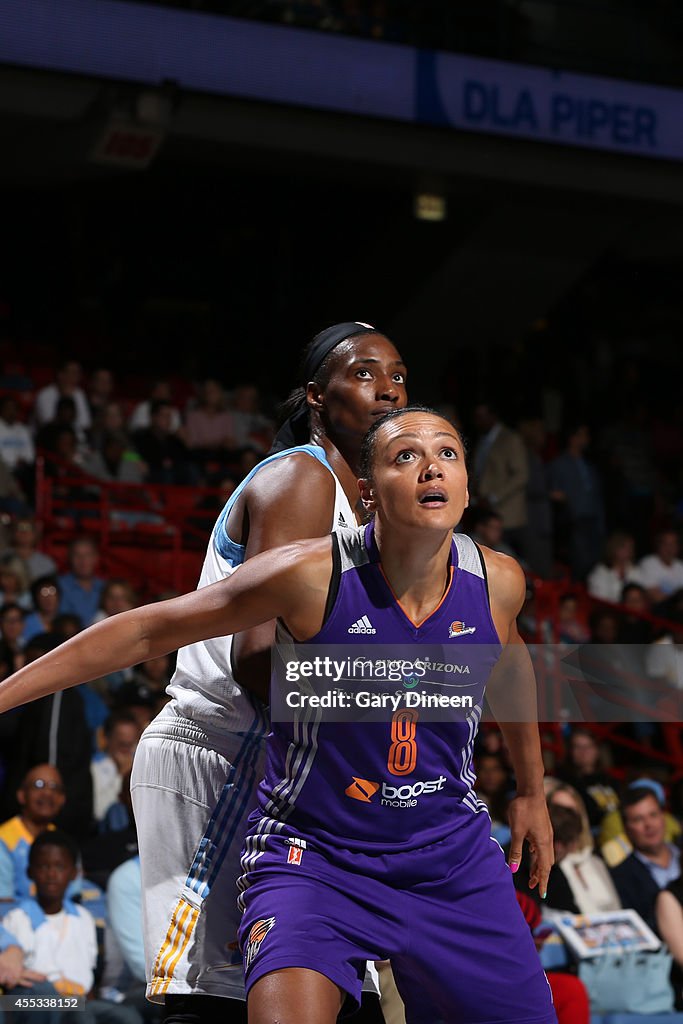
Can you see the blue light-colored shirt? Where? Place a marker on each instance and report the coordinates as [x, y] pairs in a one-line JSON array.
[[661, 875], [124, 905]]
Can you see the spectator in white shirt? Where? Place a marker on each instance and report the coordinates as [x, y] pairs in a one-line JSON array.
[[141, 415], [67, 383], [16, 440], [121, 736], [607, 579], [662, 571]]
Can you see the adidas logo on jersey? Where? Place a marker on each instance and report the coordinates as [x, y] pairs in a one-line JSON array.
[[363, 625]]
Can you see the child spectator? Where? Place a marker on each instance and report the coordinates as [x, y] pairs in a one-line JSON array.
[[15, 975], [58, 937]]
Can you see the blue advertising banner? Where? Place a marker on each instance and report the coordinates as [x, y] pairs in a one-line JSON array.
[[281, 64]]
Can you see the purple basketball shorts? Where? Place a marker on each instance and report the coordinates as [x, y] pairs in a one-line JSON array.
[[446, 915]]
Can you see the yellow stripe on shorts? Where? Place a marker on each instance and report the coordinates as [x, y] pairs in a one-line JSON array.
[[183, 921]]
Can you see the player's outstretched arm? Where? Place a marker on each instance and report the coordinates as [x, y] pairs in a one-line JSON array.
[[290, 582], [511, 693]]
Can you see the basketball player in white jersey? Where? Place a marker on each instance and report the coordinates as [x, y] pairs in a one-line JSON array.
[[198, 763]]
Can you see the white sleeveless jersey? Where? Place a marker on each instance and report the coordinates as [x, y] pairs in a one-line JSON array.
[[202, 687]]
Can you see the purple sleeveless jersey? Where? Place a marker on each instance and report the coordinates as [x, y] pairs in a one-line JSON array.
[[369, 843], [395, 785]]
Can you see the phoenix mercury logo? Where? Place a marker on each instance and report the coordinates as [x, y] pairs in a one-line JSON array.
[[257, 934], [458, 628]]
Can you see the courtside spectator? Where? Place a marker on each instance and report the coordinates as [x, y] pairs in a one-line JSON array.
[[46, 597], [24, 539], [584, 768], [662, 570], [500, 471], [579, 880], [54, 729], [14, 582], [99, 391], [141, 416], [67, 384], [634, 627], [209, 427], [17, 449], [607, 579], [612, 841], [538, 541], [12, 619], [486, 527], [120, 734], [576, 489], [81, 586], [40, 798], [654, 861], [251, 425], [57, 935], [118, 595], [165, 454]]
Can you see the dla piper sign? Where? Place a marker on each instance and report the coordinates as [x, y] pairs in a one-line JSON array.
[[550, 106]]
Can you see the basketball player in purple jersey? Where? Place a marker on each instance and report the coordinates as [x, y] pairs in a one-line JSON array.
[[425, 886]]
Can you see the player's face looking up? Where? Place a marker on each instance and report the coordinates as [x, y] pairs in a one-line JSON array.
[[365, 378], [416, 473]]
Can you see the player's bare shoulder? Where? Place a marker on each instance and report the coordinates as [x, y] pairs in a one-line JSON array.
[[507, 582], [290, 497], [287, 478]]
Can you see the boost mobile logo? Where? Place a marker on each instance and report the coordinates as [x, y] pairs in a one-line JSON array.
[[393, 796], [257, 934]]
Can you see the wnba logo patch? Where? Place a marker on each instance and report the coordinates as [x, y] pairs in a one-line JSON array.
[[460, 629], [257, 934], [361, 789]]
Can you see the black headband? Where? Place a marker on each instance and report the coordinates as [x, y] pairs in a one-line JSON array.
[[295, 430], [328, 339]]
